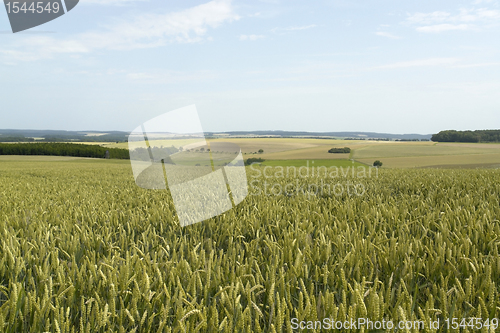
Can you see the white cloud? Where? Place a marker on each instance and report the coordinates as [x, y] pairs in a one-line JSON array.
[[110, 2], [34, 48], [465, 19], [443, 27], [485, 64], [421, 63], [144, 31], [428, 18], [140, 76], [304, 27], [295, 28], [478, 2], [169, 77], [386, 34], [251, 37]]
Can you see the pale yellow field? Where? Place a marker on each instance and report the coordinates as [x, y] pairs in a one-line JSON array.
[[405, 149], [292, 148], [153, 143], [392, 154], [428, 154], [269, 145], [313, 153]]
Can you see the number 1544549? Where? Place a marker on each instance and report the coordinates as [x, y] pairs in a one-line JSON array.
[[16, 7]]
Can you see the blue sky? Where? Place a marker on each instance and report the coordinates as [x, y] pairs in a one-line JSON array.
[[324, 65]]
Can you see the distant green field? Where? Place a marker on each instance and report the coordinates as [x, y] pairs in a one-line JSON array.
[[313, 163]]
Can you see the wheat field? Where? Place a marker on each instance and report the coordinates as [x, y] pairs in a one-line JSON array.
[[83, 249]]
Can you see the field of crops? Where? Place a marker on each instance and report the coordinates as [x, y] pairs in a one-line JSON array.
[[313, 163], [393, 154], [83, 249]]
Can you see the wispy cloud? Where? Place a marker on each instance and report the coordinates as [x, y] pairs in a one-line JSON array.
[[485, 64], [428, 18], [251, 37], [465, 19], [387, 34], [443, 27], [421, 63], [168, 77], [294, 28], [478, 2], [140, 76], [144, 31], [34, 48], [111, 2]]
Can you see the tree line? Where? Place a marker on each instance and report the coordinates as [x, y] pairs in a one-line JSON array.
[[467, 136], [345, 150], [15, 139], [62, 149], [253, 160]]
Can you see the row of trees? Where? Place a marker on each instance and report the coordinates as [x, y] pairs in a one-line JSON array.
[[467, 136], [62, 149], [15, 139]]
